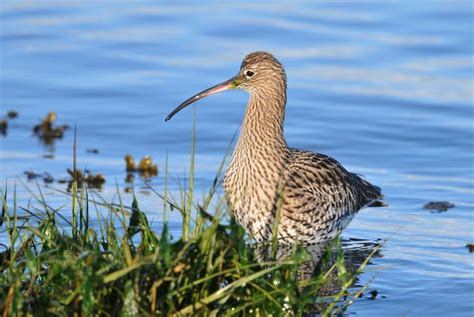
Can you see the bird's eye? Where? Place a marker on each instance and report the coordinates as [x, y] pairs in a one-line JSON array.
[[249, 73]]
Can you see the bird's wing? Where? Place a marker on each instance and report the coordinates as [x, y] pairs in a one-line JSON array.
[[318, 186]]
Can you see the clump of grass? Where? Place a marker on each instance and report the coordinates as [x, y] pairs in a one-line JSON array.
[[58, 265], [121, 266]]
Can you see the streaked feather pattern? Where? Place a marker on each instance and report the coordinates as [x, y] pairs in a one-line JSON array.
[[318, 197]]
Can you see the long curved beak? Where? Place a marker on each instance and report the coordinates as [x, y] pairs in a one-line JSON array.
[[228, 84]]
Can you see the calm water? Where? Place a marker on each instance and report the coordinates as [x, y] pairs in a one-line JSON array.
[[387, 89]]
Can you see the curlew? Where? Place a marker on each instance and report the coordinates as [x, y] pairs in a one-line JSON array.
[[312, 195]]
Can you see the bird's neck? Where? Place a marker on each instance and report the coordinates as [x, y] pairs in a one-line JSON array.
[[262, 128]]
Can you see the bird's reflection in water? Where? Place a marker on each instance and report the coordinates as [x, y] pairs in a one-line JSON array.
[[355, 251], [322, 259]]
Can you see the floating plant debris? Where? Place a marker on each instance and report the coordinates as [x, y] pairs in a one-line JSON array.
[[96, 180], [130, 162], [81, 177], [373, 294], [47, 131], [3, 126], [438, 205], [93, 151], [470, 247], [146, 164], [146, 168], [32, 175], [48, 179], [129, 178], [4, 122], [12, 114]]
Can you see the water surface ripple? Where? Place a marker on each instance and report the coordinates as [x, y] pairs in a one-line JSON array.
[[384, 87]]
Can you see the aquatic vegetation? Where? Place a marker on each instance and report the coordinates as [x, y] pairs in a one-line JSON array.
[[470, 247], [48, 179], [81, 177], [12, 114], [3, 126], [146, 168], [438, 206], [31, 175], [92, 151], [47, 131], [4, 122], [130, 163]]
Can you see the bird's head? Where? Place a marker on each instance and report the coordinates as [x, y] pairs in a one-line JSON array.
[[259, 72]]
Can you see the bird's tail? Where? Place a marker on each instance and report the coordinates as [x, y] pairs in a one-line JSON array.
[[373, 194]]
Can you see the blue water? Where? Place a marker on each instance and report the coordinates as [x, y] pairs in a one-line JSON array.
[[385, 88]]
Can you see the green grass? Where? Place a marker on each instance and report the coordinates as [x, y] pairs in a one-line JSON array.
[[57, 265]]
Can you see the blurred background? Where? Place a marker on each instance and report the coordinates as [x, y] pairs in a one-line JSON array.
[[385, 88]]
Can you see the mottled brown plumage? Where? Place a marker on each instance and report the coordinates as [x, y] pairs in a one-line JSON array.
[[315, 195]]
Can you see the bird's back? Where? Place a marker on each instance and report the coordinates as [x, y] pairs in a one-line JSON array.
[[321, 197]]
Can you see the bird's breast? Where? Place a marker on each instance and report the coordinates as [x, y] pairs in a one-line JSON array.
[[251, 185]]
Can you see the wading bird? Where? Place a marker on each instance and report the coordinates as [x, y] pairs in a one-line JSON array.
[[309, 196]]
